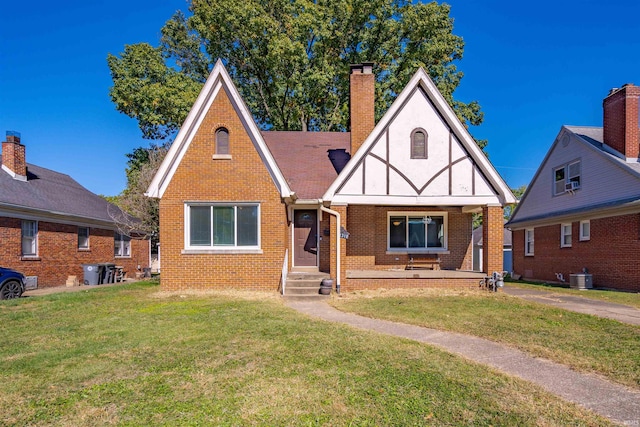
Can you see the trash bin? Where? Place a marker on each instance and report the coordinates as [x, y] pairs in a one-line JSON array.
[[91, 274], [107, 273]]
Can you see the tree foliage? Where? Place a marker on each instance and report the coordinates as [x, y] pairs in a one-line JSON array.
[[289, 59]]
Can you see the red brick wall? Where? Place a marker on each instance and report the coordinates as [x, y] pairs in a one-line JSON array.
[[611, 254], [362, 99], [621, 120], [492, 239], [58, 253], [367, 243], [243, 178]]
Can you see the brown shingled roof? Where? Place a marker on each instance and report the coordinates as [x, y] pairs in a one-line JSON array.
[[303, 159]]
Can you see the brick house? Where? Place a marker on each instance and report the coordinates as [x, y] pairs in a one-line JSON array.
[[50, 225], [582, 208], [242, 208]]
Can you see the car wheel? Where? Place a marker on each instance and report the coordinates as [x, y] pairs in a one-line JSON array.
[[11, 289]]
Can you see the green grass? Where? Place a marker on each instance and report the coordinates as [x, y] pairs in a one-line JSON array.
[[130, 356], [626, 298], [586, 343]]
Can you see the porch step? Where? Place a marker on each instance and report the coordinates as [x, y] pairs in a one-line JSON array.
[[303, 286]]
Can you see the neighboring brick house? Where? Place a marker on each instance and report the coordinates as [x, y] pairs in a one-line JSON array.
[[581, 211], [240, 208], [50, 225]]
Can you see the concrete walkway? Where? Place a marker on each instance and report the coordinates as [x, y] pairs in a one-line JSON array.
[[619, 312], [613, 401]]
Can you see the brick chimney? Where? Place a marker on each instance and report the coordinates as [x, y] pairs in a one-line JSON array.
[[14, 157], [620, 124], [362, 103]]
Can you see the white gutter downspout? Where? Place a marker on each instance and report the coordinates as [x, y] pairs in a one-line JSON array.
[[337, 215]]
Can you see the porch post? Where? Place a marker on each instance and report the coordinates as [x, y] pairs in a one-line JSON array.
[[335, 241], [492, 239]]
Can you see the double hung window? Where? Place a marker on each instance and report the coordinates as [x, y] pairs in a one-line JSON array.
[[29, 238], [528, 242], [122, 245]]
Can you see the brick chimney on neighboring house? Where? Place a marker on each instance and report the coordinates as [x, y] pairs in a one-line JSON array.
[[362, 103], [621, 121], [14, 157]]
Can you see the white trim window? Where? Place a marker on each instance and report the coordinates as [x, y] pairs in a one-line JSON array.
[[121, 245], [565, 235], [528, 242], [83, 238], [221, 226], [566, 177], [29, 238], [417, 231], [585, 230]]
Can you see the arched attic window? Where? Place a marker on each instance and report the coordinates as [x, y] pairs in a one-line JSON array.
[[419, 139], [222, 141]]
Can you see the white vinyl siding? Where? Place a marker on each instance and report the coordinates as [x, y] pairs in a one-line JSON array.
[[528, 242], [565, 235]]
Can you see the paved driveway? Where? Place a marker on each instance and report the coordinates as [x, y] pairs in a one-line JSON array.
[[619, 312]]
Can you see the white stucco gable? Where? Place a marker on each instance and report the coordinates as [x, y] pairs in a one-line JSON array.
[[218, 80], [455, 172]]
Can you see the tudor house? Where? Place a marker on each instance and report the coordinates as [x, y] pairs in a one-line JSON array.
[[50, 225], [581, 212], [244, 208]]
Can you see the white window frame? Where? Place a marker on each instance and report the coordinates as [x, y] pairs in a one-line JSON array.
[[529, 239], [407, 249], [212, 248], [585, 236], [80, 247], [563, 234], [29, 234], [567, 177], [122, 245]]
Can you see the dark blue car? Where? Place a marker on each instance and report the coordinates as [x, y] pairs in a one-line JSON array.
[[11, 283]]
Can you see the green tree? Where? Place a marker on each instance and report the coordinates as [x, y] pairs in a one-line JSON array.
[[290, 60]]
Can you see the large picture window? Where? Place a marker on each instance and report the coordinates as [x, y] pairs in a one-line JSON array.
[[223, 226], [29, 238], [417, 230]]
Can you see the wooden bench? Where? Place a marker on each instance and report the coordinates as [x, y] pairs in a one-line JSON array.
[[431, 261]]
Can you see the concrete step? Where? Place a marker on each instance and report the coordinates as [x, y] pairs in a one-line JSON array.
[[306, 298], [304, 283], [307, 276], [305, 290]]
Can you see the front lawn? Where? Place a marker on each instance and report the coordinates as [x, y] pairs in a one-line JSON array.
[[626, 298], [129, 355], [586, 343]]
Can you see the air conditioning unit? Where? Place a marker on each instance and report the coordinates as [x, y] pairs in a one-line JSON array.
[[571, 186]]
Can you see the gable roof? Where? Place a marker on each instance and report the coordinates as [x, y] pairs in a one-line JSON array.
[[303, 159], [618, 197], [421, 81], [218, 80], [52, 193]]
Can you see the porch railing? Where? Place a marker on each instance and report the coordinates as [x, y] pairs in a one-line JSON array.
[[285, 269]]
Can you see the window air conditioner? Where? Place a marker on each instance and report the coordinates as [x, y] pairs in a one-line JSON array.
[[571, 186]]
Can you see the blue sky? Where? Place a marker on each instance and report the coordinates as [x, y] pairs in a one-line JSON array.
[[532, 66]]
